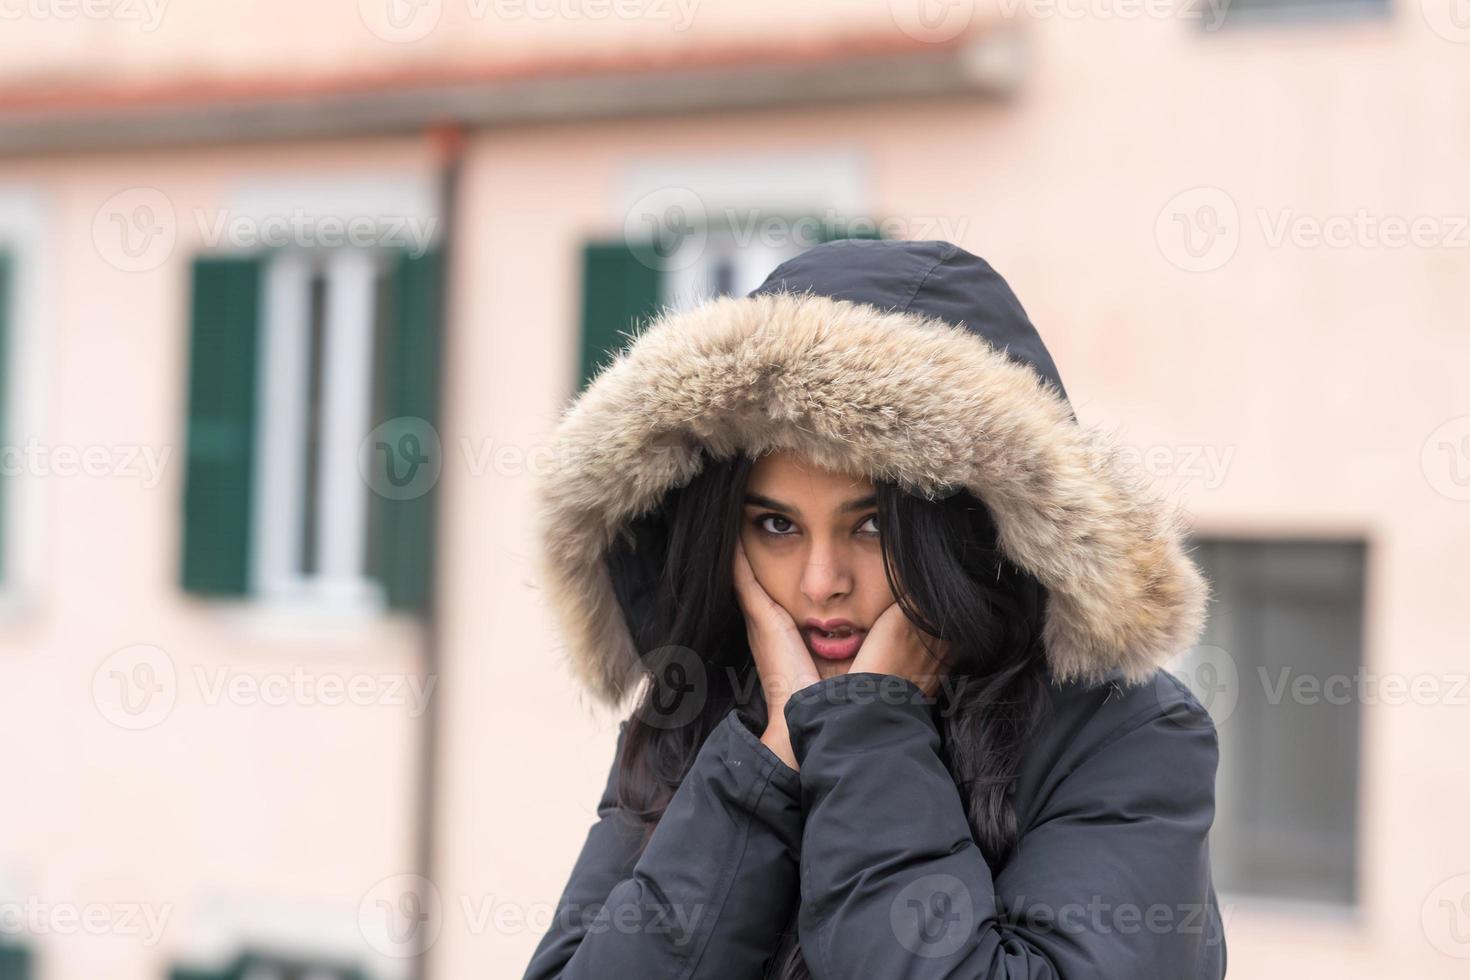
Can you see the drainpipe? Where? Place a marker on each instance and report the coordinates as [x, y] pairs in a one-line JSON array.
[[446, 140]]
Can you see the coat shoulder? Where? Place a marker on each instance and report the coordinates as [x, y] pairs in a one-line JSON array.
[[1110, 707], [1084, 720]]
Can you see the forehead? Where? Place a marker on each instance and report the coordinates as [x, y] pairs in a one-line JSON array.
[[791, 477]]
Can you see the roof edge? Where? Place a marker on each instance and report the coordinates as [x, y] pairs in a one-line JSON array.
[[982, 62]]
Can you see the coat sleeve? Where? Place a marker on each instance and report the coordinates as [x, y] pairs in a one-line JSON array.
[[1110, 881], [711, 892]]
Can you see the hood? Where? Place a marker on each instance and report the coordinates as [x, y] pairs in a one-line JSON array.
[[910, 361]]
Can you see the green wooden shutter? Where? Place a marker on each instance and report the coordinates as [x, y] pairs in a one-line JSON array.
[[831, 233], [408, 384], [15, 962], [193, 973], [618, 290], [6, 294], [220, 447]]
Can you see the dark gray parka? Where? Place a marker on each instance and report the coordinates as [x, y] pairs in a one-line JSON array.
[[910, 361]]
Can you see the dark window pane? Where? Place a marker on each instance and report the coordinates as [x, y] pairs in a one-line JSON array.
[[312, 444], [1289, 615]]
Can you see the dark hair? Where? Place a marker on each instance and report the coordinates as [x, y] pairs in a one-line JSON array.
[[674, 577]]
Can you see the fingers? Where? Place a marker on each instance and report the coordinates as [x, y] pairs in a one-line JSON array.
[[780, 654], [745, 582], [896, 645], [753, 598], [744, 577], [755, 605]]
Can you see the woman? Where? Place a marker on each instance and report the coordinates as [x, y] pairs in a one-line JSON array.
[[900, 620]]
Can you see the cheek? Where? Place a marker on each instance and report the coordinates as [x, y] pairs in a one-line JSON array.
[[874, 595], [777, 569]]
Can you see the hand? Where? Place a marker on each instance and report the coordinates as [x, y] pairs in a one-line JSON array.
[[894, 645], [781, 658]]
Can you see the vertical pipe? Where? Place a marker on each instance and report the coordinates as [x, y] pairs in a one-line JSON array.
[[447, 142]]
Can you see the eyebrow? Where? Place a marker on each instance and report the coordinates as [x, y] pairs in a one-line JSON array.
[[761, 500]]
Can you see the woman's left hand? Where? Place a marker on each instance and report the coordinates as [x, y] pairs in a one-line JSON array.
[[894, 645]]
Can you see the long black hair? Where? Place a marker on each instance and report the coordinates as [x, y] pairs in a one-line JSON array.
[[945, 571]]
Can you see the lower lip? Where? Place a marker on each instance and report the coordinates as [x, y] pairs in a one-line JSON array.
[[833, 648]]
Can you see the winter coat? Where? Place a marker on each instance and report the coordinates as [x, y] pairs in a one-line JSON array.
[[910, 361]]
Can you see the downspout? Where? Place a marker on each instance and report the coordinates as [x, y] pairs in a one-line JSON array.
[[446, 140]]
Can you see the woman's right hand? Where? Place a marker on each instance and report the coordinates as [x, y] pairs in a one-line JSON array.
[[781, 657]]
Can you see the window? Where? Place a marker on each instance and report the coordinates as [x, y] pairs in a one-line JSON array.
[[262, 966], [297, 355], [1214, 14], [624, 283], [6, 315], [1288, 619], [26, 291]]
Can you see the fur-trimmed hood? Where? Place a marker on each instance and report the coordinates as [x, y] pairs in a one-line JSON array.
[[909, 361]]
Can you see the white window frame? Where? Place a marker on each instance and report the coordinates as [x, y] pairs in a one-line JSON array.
[[225, 923], [280, 478], [342, 590], [790, 184]]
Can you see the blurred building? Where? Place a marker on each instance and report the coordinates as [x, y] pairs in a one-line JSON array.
[[291, 294]]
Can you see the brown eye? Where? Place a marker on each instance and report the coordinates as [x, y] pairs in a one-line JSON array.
[[872, 519], [761, 523]]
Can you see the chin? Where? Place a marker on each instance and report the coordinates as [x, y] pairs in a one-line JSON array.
[[831, 668]]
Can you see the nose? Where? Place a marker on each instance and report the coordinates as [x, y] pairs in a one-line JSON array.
[[827, 574]]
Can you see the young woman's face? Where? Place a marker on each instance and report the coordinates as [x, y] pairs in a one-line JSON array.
[[812, 540]]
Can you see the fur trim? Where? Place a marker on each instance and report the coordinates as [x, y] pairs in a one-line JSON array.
[[892, 395]]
